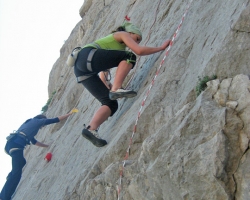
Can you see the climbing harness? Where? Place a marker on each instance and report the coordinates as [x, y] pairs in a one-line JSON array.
[[119, 187], [11, 136], [89, 67], [20, 134]]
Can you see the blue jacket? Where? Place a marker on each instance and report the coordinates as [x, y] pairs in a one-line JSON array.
[[31, 127]]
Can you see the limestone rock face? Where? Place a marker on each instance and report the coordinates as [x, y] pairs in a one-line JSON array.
[[185, 147]]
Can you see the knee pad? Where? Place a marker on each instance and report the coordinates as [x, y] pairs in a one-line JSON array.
[[113, 105]]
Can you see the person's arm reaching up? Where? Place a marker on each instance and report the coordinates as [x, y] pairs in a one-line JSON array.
[[64, 116], [39, 144]]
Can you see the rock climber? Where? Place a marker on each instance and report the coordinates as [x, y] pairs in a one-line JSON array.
[[15, 145], [98, 58]]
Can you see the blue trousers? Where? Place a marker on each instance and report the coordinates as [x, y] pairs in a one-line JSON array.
[[13, 178]]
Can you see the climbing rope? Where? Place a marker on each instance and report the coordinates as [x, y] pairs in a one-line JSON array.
[[119, 187]]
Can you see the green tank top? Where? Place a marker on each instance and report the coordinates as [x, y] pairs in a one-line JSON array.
[[107, 42]]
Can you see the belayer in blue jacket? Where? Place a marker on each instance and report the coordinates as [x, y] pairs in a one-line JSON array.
[[15, 145]]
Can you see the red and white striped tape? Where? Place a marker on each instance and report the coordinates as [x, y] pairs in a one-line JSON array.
[[144, 100]]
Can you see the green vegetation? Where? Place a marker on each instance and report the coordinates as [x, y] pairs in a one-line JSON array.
[[202, 84], [45, 108]]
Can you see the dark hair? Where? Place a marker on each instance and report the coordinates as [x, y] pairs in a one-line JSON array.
[[40, 117], [120, 28]]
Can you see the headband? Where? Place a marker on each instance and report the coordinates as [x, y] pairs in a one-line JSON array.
[[129, 27]]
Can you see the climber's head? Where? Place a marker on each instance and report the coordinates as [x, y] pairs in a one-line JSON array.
[[40, 117], [131, 28]]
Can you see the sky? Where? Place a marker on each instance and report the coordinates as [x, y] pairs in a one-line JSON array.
[[31, 35]]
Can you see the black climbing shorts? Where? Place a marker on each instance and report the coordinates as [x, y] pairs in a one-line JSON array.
[[101, 61]]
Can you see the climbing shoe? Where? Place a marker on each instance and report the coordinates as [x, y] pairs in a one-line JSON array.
[[93, 137], [120, 93]]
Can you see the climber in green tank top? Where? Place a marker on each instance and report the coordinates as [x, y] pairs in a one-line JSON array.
[[92, 68]]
